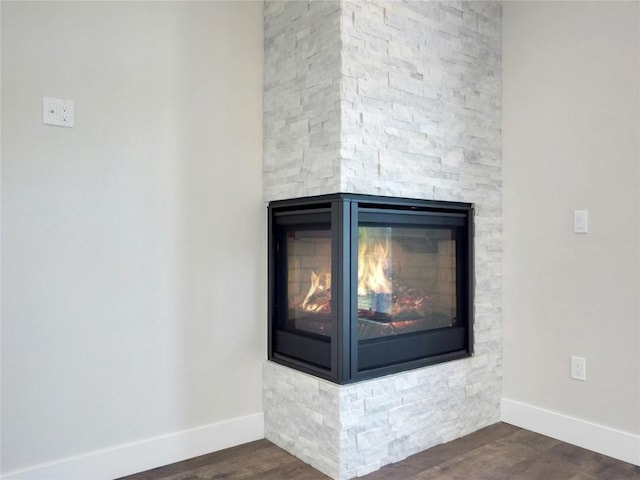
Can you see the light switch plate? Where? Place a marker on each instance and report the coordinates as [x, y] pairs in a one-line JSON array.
[[580, 221]]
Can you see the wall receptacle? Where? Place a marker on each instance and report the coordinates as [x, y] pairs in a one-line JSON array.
[[578, 368], [57, 111]]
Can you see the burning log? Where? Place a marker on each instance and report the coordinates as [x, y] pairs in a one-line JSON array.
[[382, 298]]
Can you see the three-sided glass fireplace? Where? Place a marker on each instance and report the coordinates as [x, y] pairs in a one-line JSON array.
[[363, 286]]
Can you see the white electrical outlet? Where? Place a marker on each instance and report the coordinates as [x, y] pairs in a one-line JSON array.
[[578, 368], [66, 113], [57, 111]]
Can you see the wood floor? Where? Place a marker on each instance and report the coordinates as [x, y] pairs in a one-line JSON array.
[[498, 452]]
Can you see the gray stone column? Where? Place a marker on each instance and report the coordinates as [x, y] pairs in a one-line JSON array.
[[400, 99]]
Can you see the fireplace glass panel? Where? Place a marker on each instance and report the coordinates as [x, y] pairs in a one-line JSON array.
[[406, 280], [363, 286], [309, 281], [303, 300]]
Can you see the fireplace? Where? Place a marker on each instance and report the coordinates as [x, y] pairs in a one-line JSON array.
[[363, 286]]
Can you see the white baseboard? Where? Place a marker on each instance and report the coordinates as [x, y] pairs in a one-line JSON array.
[[598, 438], [150, 453]]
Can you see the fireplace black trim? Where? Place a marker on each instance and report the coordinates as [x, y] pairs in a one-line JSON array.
[[341, 358]]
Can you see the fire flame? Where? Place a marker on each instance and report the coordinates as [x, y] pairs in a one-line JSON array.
[[314, 302], [372, 265]]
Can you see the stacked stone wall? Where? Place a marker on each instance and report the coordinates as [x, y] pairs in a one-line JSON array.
[[404, 101], [301, 98]]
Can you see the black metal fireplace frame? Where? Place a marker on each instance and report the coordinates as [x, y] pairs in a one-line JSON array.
[[343, 359]]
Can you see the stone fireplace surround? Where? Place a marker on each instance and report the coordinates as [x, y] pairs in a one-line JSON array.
[[398, 99]]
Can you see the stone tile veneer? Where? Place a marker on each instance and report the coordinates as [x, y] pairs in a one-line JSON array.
[[351, 430], [400, 99], [301, 98]]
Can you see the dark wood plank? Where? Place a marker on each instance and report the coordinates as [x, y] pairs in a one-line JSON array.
[[439, 454], [498, 452]]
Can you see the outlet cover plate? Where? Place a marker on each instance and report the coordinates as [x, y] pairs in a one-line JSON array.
[[578, 368], [57, 112]]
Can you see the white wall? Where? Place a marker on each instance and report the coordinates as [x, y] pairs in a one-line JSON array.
[[133, 245], [571, 141]]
